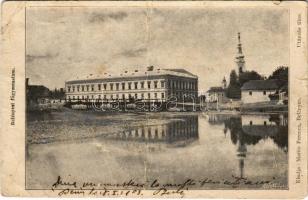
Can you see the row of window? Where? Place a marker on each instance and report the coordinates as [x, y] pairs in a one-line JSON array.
[[117, 96], [115, 86], [250, 93], [179, 95], [142, 133], [182, 85], [264, 123], [175, 130], [132, 85]]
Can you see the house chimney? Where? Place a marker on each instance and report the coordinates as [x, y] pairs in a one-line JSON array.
[[150, 68], [27, 82]]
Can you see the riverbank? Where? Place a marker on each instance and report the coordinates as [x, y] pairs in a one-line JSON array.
[[67, 124], [264, 107]]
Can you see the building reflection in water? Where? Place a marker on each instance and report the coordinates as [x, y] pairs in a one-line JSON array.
[[182, 129], [250, 129]]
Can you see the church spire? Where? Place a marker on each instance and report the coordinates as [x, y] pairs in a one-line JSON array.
[[239, 43], [224, 83], [239, 59]]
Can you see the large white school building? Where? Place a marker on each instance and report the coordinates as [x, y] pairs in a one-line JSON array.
[[149, 84]]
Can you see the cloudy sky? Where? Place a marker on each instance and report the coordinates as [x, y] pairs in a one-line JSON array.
[[63, 43]]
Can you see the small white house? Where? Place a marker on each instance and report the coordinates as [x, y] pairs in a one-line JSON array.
[[255, 91], [216, 94]]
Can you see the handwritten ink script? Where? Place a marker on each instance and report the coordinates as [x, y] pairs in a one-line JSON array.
[[133, 188]]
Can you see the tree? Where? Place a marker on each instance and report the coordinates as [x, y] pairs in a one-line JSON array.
[[249, 75], [57, 93], [281, 73], [234, 89], [233, 78]]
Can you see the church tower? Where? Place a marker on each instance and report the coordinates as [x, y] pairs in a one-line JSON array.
[[224, 83], [239, 59]]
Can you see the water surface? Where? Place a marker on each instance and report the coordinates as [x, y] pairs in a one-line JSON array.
[[169, 147]]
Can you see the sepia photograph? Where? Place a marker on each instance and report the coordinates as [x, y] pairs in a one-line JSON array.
[[156, 98]]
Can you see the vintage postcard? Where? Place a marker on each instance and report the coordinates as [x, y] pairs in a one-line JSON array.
[[183, 99]]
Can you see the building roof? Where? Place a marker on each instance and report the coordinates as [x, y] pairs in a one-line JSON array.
[[150, 71], [181, 71], [216, 89], [271, 84]]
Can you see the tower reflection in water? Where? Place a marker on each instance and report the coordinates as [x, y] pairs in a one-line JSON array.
[[182, 129], [250, 129]]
